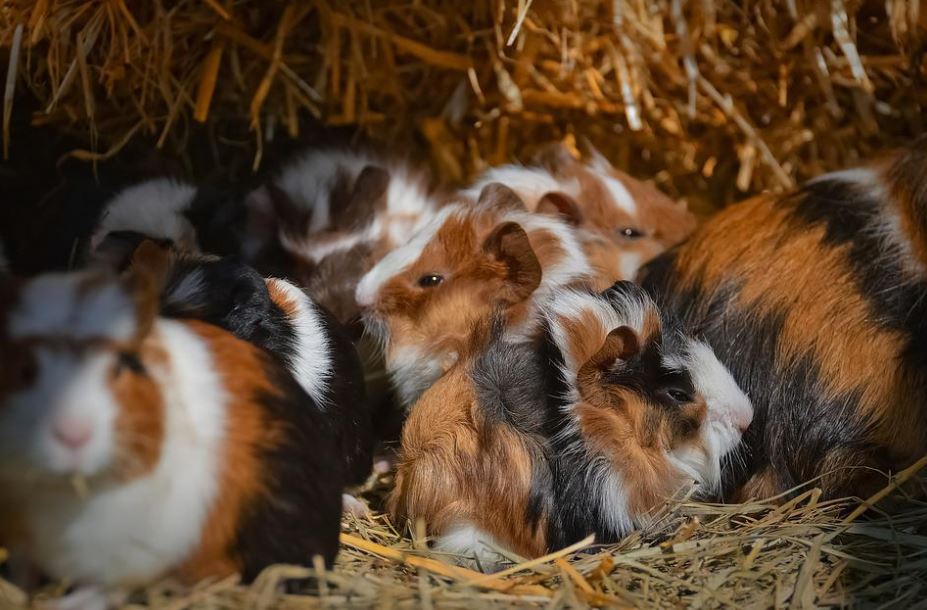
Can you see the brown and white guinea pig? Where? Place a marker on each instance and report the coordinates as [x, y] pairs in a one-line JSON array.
[[530, 449], [335, 212], [817, 302], [623, 222], [423, 299], [200, 453], [279, 317]]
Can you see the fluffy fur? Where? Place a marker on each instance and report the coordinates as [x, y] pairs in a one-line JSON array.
[[816, 302]]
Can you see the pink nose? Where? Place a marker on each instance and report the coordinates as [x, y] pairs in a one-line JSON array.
[[743, 422], [72, 433]]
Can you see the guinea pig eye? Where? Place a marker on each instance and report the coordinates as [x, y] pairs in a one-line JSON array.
[[127, 361], [430, 280], [630, 233], [679, 395]]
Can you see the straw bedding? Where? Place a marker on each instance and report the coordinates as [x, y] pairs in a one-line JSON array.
[[713, 99]]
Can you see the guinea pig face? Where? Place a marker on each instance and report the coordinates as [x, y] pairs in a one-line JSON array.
[[75, 398], [423, 298]]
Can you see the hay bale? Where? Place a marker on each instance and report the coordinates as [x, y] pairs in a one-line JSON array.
[[714, 99]]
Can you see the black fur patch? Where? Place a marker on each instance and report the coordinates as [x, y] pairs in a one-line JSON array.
[[299, 516]]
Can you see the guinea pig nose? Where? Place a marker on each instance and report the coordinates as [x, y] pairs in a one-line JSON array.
[[72, 433]]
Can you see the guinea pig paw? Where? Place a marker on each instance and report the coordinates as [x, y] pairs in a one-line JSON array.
[[354, 506], [85, 598]]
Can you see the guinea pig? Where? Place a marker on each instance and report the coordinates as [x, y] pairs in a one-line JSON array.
[[647, 409], [134, 447], [817, 302], [531, 448], [423, 298], [279, 317], [627, 222], [335, 212]]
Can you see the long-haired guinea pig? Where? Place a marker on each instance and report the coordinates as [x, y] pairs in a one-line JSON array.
[[624, 222], [646, 409], [424, 297], [134, 447], [279, 317], [817, 302], [530, 449], [335, 212]]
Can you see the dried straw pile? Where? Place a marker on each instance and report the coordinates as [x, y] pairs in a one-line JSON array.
[[802, 554], [713, 98]]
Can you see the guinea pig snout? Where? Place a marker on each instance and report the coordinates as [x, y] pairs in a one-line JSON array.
[[72, 432]]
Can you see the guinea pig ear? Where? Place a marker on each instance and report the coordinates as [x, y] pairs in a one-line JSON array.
[[560, 204], [148, 275], [367, 197], [497, 195], [620, 344], [508, 243]]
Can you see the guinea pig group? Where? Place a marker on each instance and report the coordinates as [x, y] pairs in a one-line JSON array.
[[531, 447], [188, 399]]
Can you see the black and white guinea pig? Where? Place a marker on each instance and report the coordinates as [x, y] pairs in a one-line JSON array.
[[134, 447], [596, 429], [277, 316], [817, 302], [335, 212]]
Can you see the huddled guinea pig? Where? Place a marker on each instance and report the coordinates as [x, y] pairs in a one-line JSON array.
[[423, 299], [134, 447], [531, 448], [648, 408], [279, 317], [622, 222], [817, 302], [335, 213]]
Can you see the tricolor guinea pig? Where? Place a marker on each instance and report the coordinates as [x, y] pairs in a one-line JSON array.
[[423, 299], [279, 317], [817, 302], [531, 448], [646, 409], [335, 213], [623, 222], [134, 447]]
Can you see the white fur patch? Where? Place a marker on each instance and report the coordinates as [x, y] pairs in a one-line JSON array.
[[154, 208], [132, 533], [620, 195], [53, 304], [412, 371], [471, 546], [311, 366], [530, 183]]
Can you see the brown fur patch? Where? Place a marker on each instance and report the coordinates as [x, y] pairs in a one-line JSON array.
[[788, 269], [449, 469], [247, 430], [140, 423]]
